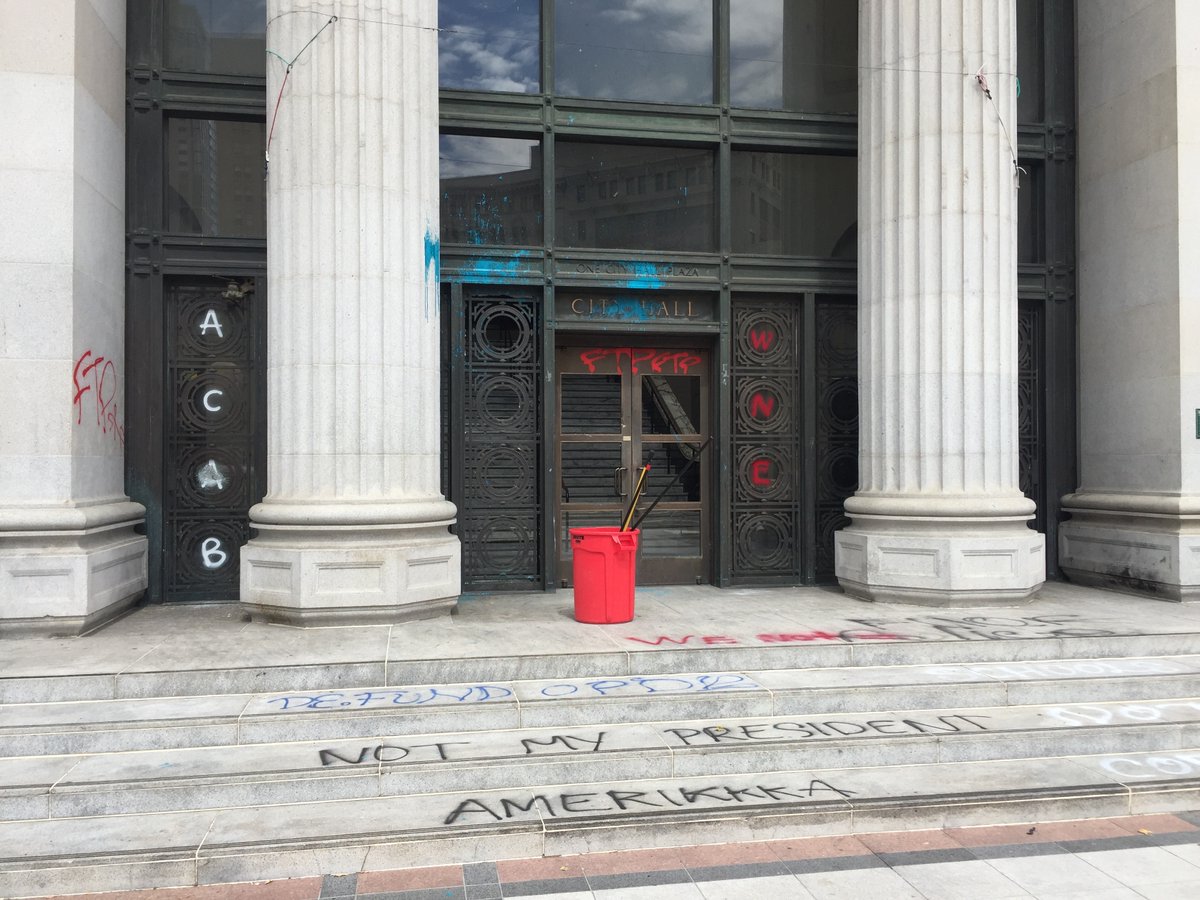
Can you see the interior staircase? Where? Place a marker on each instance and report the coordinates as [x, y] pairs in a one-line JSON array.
[[199, 777]]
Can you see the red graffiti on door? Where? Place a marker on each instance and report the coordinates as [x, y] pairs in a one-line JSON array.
[[762, 339], [670, 362]]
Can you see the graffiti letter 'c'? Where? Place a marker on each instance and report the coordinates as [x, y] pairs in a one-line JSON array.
[[211, 408]]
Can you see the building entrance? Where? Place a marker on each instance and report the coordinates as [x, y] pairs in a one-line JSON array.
[[622, 407]]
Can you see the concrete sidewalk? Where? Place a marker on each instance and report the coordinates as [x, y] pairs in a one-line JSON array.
[[1153, 857]]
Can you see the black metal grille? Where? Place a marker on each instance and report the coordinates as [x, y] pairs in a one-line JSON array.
[[837, 421], [500, 514], [766, 439], [214, 466], [1030, 332]]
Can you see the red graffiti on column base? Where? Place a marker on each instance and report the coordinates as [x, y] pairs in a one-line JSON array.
[[98, 376], [673, 361]]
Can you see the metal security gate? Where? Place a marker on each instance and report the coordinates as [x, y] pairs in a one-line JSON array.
[[494, 411], [795, 434], [214, 421]]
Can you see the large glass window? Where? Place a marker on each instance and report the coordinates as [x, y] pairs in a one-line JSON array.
[[226, 36], [795, 204], [490, 45], [635, 197], [1030, 66], [794, 55], [650, 50], [215, 181], [491, 190]]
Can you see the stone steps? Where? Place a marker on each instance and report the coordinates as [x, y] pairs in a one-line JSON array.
[[105, 726], [922, 640], [110, 794], [255, 843], [66, 786]]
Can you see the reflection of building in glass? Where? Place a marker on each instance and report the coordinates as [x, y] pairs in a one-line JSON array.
[[820, 55], [194, 201], [794, 204], [615, 195], [216, 35], [215, 177], [499, 208]]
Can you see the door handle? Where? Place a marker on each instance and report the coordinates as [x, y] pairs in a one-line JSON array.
[[619, 482]]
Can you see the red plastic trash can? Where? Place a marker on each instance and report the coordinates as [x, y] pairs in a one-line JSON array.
[[605, 562]]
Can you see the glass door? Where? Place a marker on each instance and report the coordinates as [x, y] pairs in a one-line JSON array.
[[620, 408]]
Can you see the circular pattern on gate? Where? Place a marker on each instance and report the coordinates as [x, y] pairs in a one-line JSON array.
[[763, 338], [839, 405], [211, 326], [503, 333], [502, 474], [504, 402], [763, 541], [212, 400], [837, 337], [207, 550], [210, 477], [764, 473], [839, 472], [504, 545], [763, 405]]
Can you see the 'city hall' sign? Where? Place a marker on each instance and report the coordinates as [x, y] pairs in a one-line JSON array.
[[696, 308]]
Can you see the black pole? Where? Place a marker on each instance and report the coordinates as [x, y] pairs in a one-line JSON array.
[[674, 481]]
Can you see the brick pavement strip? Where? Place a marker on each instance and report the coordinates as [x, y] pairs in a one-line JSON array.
[[1098, 839]]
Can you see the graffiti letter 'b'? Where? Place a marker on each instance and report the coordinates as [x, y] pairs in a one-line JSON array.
[[212, 554]]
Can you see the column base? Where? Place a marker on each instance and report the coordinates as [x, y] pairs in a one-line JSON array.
[[314, 575], [65, 571], [939, 560], [1142, 544]]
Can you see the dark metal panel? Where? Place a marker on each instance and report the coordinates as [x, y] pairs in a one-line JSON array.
[[492, 265], [501, 516], [783, 129], [794, 274], [498, 111], [641, 271], [834, 460], [811, 449], [644, 121], [766, 440]]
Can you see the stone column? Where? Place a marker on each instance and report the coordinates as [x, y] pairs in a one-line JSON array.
[[938, 517], [1135, 521], [69, 557], [354, 527]]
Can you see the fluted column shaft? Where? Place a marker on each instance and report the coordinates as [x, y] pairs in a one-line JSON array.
[[353, 359], [938, 307]]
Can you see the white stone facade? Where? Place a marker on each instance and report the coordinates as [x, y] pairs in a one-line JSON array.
[[1136, 517], [354, 526], [69, 557]]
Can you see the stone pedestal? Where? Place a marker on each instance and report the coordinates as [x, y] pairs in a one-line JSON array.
[[1135, 521], [354, 527], [938, 517], [69, 556]]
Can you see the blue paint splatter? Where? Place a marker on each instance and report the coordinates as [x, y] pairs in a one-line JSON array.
[[486, 269], [433, 254], [645, 276], [433, 257]]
